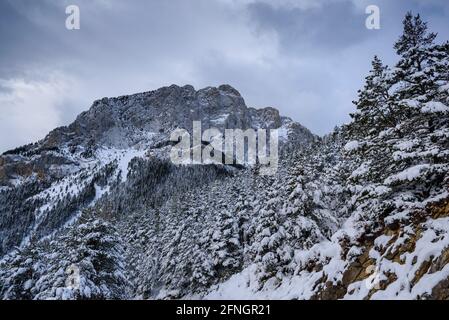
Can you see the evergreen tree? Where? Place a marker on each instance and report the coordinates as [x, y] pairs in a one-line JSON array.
[[439, 57], [373, 105], [413, 71]]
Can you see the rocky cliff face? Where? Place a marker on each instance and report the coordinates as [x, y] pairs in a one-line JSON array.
[[139, 121]]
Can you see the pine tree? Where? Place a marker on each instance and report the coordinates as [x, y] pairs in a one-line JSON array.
[[94, 249], [412, 71], [373, 105], [439, 57]]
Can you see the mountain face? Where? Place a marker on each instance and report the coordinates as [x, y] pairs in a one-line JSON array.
[[96, 210], [148, 118], [140, 121], [69, 168]]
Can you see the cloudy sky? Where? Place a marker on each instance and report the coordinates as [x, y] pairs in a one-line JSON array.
[[305, 57]]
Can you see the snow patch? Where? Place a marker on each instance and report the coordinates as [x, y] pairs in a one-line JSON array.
[[434, 106], [408, 174], [352, 146]]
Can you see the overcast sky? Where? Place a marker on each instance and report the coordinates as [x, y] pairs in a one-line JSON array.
[[305, 57]]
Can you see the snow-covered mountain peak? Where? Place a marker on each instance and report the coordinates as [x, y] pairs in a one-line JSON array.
[[78, 163]]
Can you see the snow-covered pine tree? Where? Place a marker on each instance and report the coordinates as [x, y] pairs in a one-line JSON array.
[[89, 253], [373, 106], [94, 249], [19, 272], [413, 47], [401, 163], [439, 57]]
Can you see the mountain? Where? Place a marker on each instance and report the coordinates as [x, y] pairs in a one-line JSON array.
[[96, 210], [114, 158], [71, 167]]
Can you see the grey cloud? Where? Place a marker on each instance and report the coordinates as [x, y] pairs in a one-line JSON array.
[[331, 26]]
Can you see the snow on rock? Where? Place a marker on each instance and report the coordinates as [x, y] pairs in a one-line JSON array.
[[411, 276], [122, 156], [283, 133]]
